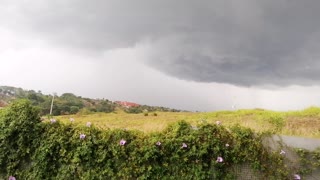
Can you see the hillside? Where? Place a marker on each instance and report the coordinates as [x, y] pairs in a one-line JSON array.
[[69, 103]]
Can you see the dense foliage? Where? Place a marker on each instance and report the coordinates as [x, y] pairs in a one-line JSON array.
[[68, 103], [309, 160], [145, 108], [31, 149]]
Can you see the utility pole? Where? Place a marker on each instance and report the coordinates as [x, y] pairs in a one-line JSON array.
[[52, 103]]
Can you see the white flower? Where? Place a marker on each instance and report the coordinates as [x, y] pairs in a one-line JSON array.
[[219, 159], [194, 127], [82, 136], [122, 142], [296, 177], [184, 145], [88, 124]]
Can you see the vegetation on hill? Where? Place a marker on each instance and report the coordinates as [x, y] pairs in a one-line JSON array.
[[145, 108], [68, 103]]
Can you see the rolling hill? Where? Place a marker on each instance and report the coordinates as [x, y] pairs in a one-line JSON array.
[[69, 103]]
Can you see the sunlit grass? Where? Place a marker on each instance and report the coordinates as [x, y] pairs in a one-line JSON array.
[[304, 123]]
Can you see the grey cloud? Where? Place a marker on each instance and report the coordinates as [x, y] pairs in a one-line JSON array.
[[100, 24], [246, 43]]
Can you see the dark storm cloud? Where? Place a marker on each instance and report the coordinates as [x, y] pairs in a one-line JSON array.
[[100, 24], [238, 42]]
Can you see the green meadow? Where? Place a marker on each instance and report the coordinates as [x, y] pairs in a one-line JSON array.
[[304, 123]]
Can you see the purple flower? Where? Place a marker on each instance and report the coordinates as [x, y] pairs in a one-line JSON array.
[[71, 120], [158, 143], [218, 122], [122, 142], [12, 178], [88, 124], [296, 177], [53, 121], [282, 152], [227, 145], [219, 159], [82, 136], [184, 145]]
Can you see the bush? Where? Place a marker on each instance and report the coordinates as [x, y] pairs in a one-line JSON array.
[[19, 136], [276, 120], [133, 110], [84, 111], [74, 109], [34, 150]]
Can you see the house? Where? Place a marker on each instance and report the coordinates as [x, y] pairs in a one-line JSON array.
[[127, 104]]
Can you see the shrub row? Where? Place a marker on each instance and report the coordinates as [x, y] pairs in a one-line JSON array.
[[31, 149]]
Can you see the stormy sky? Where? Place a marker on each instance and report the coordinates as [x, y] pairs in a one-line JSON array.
[[193, 55]]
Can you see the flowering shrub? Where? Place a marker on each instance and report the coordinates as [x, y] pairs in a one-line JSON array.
[[31, 149], [20, 134]]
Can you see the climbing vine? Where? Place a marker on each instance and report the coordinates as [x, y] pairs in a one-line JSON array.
[[31, 149]]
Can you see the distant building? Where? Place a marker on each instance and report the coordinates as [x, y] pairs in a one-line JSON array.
[[3, 104], [127, 104]]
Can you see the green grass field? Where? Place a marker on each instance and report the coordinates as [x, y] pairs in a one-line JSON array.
[[305, 123]]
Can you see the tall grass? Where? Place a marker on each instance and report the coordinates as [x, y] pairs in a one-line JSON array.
[[304, 123]]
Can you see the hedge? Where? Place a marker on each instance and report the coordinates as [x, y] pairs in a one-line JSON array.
[[31, 149]]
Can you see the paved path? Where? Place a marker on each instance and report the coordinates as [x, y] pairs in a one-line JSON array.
[[299, 142]]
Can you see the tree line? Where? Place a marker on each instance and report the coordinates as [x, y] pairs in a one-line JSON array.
[[69, 103]]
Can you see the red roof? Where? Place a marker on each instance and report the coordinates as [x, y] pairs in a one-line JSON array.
[[127, 104]]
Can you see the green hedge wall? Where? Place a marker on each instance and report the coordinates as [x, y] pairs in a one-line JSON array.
[[31, 149]]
